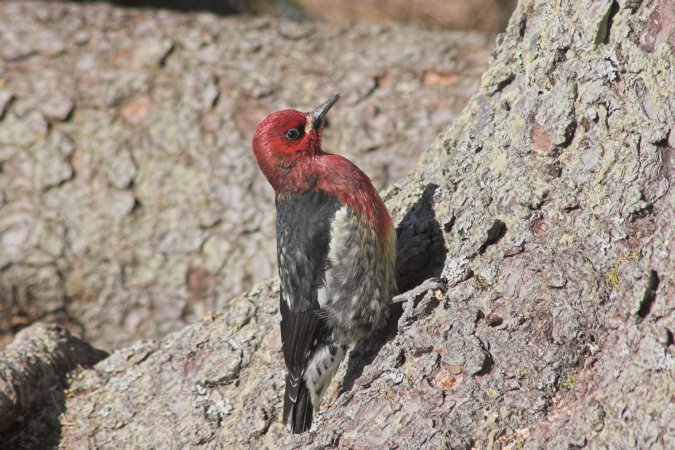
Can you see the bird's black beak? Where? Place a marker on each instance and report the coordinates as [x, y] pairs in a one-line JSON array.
[[316, 117]]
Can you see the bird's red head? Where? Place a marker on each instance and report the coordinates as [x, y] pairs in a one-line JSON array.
[[287, 145], [286, 138]]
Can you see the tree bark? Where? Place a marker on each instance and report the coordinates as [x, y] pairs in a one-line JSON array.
[[130, 201], [36, 362], [546, 210]]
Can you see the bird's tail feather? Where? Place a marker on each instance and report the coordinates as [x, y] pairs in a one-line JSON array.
[[298, 408]]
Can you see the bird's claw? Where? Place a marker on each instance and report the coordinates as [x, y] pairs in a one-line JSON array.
[[421, 299]]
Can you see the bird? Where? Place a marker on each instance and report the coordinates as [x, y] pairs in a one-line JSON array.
[[336, 254]]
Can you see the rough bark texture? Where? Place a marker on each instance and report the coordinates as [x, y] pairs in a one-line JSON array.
[[130, 202], [547, 210], [35, 363]]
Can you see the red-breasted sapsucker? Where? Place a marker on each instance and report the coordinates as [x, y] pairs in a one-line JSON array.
[[336, 251]]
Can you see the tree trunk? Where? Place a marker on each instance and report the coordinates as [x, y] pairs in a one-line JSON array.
[[130, 201], [34, 365], [545, 209]]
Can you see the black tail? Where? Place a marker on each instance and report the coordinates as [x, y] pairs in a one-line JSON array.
[[298, 413]]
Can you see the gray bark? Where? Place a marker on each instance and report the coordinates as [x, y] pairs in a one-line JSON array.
[[130, 202], [546, 209], [36, 363]]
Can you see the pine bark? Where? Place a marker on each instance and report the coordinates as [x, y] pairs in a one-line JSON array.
[[36, 365], [545, 210]]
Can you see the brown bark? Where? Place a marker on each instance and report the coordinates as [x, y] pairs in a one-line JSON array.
[[485, 15], [546, 208]]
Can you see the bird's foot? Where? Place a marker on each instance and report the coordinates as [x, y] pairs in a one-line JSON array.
[[420, 300]]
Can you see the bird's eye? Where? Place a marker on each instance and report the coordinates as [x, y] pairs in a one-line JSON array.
[[292, 134]]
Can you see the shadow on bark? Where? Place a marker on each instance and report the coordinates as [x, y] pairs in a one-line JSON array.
[[420, 248], [220, 7], [420, 255], [34, 372], [40, 427]]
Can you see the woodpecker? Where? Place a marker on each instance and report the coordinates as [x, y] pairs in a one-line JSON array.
[[336, 252]]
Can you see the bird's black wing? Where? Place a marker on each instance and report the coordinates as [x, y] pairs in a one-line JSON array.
[[303, 237]]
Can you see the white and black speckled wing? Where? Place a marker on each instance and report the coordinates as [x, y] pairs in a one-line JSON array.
[[303, 234]]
